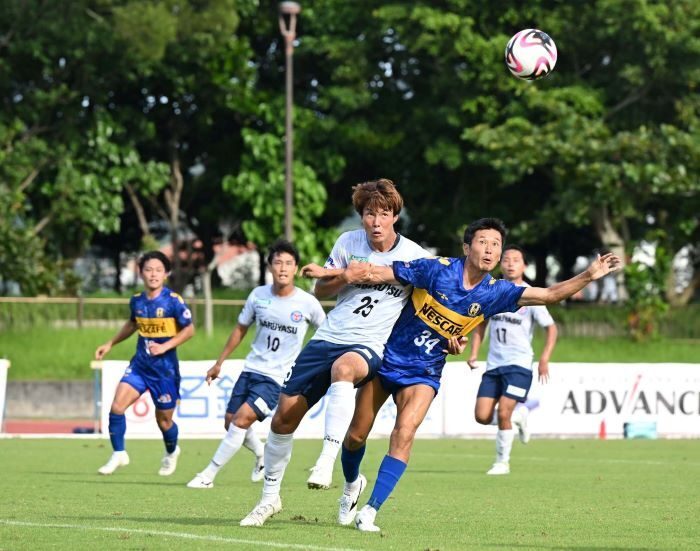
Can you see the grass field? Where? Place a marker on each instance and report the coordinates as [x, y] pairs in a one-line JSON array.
[[64, 354], [561, 494]]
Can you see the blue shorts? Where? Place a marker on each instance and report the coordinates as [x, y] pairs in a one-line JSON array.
[[512, 381], [258, 391], [393, 379], [310, 375], [165, 391]]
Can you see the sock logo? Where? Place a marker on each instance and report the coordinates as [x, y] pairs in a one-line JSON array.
[[332, 440]]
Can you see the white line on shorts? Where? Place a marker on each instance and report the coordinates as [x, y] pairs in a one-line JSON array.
[[183, 535]]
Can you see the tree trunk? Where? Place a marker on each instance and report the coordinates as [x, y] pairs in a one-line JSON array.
[[613, 241]]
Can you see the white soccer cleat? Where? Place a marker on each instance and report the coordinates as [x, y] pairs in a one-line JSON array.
[[200, 482], [499, 467], [521, 424], [118, 459], [258, 472], [169, 463], [261, 513], [321, 477], [364, 520], [348, 502]]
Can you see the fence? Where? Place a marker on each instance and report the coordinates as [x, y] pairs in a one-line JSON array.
[[573, 320]]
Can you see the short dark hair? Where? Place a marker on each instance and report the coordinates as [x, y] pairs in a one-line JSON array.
[[377, 194], [485, 224], [518, 248], [282, 246], [154, 255]]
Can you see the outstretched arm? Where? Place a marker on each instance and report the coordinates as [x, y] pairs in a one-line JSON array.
[[550, 341], [601, 266], [356, 272], [233, 341]]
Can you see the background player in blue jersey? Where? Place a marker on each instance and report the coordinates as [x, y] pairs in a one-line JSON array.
[[451, 296], [508, 375], [163, 322], [282, 313]]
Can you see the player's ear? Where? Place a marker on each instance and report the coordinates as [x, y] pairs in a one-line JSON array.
[[465, 249]]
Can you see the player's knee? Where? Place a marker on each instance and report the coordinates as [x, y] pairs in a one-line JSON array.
[[403, 435], [283, 424], [342, 372], [483, 418], [355, 439], [117, 409], [164, 424]]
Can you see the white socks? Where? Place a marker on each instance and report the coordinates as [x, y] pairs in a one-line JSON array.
[[278, 452], [253, 443], [504, 443], [228, 447], [339, 411]]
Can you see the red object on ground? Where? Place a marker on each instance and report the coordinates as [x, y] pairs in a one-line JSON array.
[[46, 426], [602, 433]]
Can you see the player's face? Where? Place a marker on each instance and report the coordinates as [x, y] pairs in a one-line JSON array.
[[379, 226], [485, 249], [153, 274], [513, 265], [283, 267]]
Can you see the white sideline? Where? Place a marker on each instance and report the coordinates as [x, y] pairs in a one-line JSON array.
[[183, 535]]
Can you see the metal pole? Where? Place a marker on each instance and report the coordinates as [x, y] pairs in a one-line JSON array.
[[289, 33]]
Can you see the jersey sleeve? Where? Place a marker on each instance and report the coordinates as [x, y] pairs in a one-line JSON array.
[[247, 315], [132, 308], [183, 314], [317, 314], [507, 297], [338, 257], [542, 316], [416, 272]]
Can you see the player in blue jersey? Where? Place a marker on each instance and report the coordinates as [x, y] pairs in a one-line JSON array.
[[282, 313], [508, 374], [451, 296], [163, 322]]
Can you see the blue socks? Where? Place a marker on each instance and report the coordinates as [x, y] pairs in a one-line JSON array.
[[117, 430], [351, 462], [170, 438], [390, 471]]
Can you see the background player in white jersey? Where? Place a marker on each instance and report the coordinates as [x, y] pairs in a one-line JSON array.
[[450, 297], [282, 314], [346, 351], [508, 375]]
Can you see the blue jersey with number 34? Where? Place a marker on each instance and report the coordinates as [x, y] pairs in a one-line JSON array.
[[440, 307]]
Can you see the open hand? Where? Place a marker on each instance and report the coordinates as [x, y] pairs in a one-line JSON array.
[[604, 265], [456, 345]]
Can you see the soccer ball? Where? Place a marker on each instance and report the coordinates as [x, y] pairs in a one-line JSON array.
[[531, 54]]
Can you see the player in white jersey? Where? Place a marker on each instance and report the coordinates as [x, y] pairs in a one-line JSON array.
[[508, 375], [347, 349], [281, 313]]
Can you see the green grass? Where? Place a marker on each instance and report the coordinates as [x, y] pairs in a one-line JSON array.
[[561, 494], [44, 353]]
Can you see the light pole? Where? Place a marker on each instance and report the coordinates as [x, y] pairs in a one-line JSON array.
[[290, 9]]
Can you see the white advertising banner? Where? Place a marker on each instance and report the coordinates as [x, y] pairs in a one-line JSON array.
[[4, 366], [580, 399]]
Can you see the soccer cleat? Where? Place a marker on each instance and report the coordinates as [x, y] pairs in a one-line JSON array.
[[320, 478], [201, 482], [118, 459], [521, 423], [499, 467], [169, 463], [348, 502], [258, 472], [364, 520], [261, 513]]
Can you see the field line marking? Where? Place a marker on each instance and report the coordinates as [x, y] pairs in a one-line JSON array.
[[666, 463], [183, 535]]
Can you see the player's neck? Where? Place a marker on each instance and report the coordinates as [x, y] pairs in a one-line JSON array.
[[153, 293], [386, 244], [516, 281], [472, 275], [282, 290]]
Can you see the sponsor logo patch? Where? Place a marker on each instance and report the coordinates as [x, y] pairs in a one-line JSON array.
[[296, 316]]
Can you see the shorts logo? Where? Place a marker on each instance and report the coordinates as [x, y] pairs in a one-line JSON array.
[[160, 312], [474, 309], [296, 316], [164, 399]]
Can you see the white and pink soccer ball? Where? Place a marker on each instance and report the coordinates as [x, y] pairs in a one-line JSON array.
[[531, 54]]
